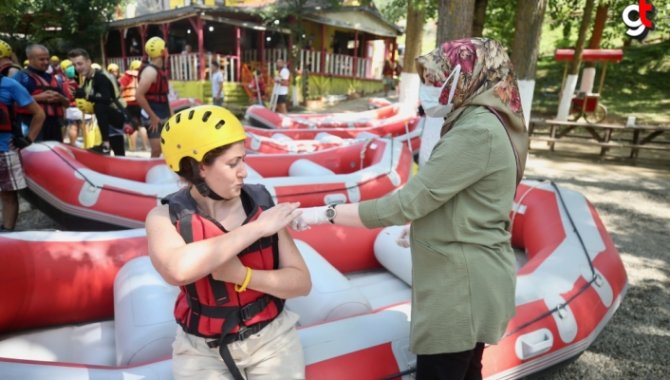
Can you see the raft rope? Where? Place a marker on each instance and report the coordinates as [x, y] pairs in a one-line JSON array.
[[595, 277]]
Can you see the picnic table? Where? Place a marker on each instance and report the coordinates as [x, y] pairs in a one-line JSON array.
[[634, 137]]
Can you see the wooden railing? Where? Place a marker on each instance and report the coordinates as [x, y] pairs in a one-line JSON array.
[[186, 67]]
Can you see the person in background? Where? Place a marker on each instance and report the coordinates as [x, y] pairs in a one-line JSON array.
[[101, 89], [282, 83], [54, 65], [129, 82], [152, 91], [11, 140], [458, 205], [225, 244], [113, 69], [74, 118], [8, 66], [257, 86], [47, 91], [387, 73], [216, 77]]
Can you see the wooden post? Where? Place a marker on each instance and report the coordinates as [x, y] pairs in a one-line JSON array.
[[322, 66], [238, 52], [354, 70], [122, 36]]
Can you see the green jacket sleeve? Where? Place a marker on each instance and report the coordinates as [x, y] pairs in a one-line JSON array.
[[458, 160]]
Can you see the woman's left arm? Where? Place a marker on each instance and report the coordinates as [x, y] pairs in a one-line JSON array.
[[291, 279]]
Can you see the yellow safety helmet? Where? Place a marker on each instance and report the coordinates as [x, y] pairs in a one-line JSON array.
[[195, 131], [96, 66], [5, 49], [84, 105], [65, 64], [54, 58], [154, 47], [26, 63], [112, 67], [135, 65]]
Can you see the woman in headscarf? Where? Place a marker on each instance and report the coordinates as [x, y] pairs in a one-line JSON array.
[[458, 206]]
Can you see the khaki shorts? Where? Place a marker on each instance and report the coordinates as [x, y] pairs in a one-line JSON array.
[[11, 172], [274, 353]]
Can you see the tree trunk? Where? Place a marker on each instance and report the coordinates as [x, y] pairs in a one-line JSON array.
[[598, 28], [413, 34], [526, 43], [408, 95], [479, 18], [526, 47], [586, 21], [455, 20]]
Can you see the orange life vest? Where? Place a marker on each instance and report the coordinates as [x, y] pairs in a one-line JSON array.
[[129, 90]]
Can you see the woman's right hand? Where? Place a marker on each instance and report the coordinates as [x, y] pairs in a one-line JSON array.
[[276, 218]]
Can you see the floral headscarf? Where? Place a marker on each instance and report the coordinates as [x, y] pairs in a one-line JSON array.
[[486, 79]]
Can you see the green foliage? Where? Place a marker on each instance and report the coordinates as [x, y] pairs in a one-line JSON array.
[[638, 85], [395, 10], [500, 19], [60, 25]]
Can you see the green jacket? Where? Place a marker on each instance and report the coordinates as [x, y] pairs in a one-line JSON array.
[[463, 266]]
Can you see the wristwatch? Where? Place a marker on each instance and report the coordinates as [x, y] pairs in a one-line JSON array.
[[330, 212]]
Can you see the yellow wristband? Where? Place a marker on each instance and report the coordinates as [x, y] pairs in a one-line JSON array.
[[245, 283]]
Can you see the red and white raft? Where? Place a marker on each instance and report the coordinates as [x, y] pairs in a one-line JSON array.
[[84, 190], [265, 118], [407, 128], [96, 320]]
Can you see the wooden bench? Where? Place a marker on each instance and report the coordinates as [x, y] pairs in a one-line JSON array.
[[643, 136]]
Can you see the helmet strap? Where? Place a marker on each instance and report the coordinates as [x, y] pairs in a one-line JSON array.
[[206, 191]]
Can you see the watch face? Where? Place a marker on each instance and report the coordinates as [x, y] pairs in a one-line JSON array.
[[330, 213]]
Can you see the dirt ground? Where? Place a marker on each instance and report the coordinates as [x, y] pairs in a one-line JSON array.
[[633, 200]]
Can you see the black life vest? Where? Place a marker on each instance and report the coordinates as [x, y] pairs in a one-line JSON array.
[[158, 92], [213, 309]]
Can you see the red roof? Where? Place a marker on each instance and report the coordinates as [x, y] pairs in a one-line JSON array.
[[590, 55]]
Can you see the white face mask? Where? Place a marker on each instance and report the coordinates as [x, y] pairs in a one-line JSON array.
[[429, 96]]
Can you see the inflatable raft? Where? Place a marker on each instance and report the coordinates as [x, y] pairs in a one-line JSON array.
[[84, 190], [265, 118], [353, 325]]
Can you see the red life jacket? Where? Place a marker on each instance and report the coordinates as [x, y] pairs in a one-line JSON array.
[[41, 85], [158, 92], [213, 309], [4, 68]]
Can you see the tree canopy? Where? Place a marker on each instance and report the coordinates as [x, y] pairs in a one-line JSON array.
[[60, 25]]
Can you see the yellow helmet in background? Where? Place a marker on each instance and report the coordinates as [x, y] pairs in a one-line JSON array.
[[26, 63], [65, 64], [5, 49], [135, 65], [112, 67], [54, 59], [96, 66], [154, 47], [195, 131], [84, 105]]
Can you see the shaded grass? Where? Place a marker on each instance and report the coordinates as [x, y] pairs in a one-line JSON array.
[[639, 85]]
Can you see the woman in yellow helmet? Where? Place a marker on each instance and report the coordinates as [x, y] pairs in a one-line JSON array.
[[225, 244]]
